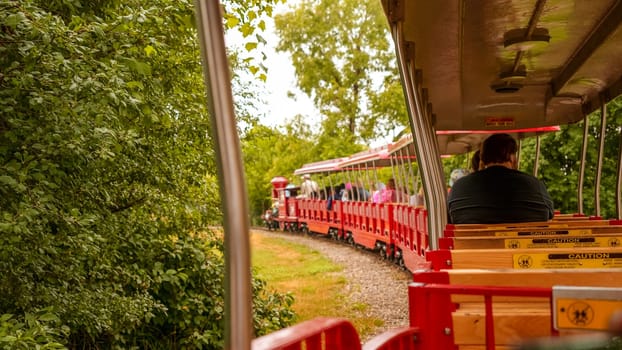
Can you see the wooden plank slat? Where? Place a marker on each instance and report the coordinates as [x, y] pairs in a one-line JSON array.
[[535, 231], [547, 241], [535, 258], [510, 328]]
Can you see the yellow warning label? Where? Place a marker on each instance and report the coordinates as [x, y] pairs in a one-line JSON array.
[[562, 242], [585, 313], [541, 232], [567, 260]]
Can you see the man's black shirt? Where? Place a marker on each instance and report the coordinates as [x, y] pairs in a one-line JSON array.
[[497, 195]]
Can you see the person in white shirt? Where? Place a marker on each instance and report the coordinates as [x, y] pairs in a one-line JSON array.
[[309, 188]]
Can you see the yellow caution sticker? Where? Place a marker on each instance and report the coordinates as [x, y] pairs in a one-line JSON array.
[[585, 313], [540, 232], [562, 242], [567, 260]]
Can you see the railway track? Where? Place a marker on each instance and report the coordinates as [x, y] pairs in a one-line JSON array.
[[366, 273]]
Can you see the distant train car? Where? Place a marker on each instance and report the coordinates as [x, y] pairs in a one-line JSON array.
[[284, 198]]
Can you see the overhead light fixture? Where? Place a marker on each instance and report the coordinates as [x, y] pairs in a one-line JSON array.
[[521, 39], [516, 76], [505, 87]]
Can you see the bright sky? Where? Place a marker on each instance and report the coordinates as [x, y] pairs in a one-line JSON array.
[[279, 108]]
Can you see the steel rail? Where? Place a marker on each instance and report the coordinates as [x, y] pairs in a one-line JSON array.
[[238, 296]]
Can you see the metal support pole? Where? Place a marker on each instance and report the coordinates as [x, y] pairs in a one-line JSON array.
[[601, 153], [518, 156], [238, 296], [536, 160], [405, 176], [426, 144], [582, 165], [619, 182]]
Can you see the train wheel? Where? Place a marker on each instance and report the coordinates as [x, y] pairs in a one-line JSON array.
[[350, 239], [336, 236], [401, 263], [383, 252], [391, 253], [400, 259]]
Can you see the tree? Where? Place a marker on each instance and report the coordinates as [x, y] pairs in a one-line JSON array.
[[340, 51], [106, 177], [269, 153], [560, 161]]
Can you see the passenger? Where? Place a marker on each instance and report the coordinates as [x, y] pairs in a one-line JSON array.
[[376, 196], [388, 194], [475, 162], [330, 198], [499, 193], [308, 187], [361, 193], [346, 192], [418, 198], [338, 191], [455, 175]]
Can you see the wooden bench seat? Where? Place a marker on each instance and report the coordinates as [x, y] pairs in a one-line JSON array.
[[529, 242], [515, 318], [550, 223], [608, 257], [520, 278], [510, 327], [534, 231]]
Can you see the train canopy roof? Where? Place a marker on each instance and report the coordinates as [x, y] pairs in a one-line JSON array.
[[325, 166], [377, 157], [451, 142], [509, 64]]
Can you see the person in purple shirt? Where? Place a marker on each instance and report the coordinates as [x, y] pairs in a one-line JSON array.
[[498, 192]]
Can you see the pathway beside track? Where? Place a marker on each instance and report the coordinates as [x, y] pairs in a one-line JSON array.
[[371, 280]]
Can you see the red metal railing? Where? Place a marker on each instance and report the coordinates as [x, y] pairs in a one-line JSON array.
[[316, 334], [430, 309], [405, 338]]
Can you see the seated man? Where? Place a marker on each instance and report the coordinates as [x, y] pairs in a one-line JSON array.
[[498, 193]]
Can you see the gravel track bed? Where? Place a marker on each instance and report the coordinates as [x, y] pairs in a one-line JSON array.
[[378, 283]]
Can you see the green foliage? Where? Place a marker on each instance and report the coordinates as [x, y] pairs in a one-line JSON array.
[[269, 153], [340, 50], [560, 162], [40, 330], [248, 18], [104, 156], [187, 276]]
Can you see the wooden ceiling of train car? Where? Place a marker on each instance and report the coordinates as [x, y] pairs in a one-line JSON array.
[[487, 64]]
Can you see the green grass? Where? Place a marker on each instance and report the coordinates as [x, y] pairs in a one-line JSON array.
[[315, 282]]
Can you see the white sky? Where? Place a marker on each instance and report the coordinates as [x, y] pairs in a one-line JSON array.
[[278, 108]]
